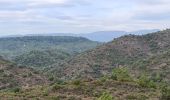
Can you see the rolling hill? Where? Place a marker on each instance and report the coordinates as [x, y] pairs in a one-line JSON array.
[[41, 51], [124, 51], [131, 67]]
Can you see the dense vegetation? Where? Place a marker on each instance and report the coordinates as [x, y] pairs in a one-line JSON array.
[[41, 59], [14, 77], [148, 53], [41, 51], [105, 88], [128, 68]]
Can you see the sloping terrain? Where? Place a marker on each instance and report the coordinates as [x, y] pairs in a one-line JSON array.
[[158, 66], [86, 90], [12, 76], [42, 51], [41, 59], [128, 68], [123, 51], [20, 83]]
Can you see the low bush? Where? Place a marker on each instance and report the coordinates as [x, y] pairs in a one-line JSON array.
[[56, 87], [105, 96], [76, 82], [165, 91], [144, 81], [121, 74], [17, 89]]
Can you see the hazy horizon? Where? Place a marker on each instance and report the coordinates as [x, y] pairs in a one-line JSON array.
[[135, 32]]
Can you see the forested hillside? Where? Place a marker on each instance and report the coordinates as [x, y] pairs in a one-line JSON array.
[[128, 68], [129, 51], [41, 51], [41, 59]]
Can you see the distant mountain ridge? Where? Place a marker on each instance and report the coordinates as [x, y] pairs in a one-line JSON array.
[[106, 36], [100, 36]]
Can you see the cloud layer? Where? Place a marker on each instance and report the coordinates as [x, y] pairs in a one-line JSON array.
[[81, 16]]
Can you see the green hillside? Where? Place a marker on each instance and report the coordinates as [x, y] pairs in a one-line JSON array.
[[125, 51], [128, 68], [86, 90], [13, 77], [42, 51], [41, 59], [15, 46]]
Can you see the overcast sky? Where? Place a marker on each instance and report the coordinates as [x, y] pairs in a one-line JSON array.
[[82, 16]]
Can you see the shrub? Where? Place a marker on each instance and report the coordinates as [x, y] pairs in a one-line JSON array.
[[121, 74], [57, 81], [45, 93], [60, 97], [157, 77], [165, 91], [105, 96], [1, 70], [24, 75], [136, 97], [29, 74], [144, 81], [76, 82], [74, 98], [51, 78], [17, 89], [54, 98], [56, 87], [104, 78], [131, 97]]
